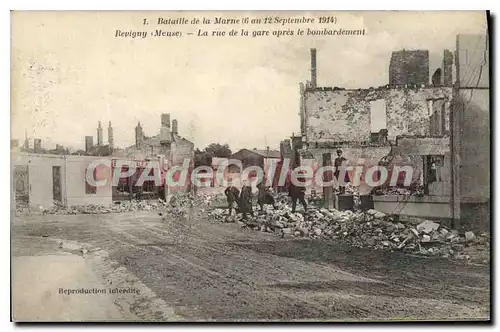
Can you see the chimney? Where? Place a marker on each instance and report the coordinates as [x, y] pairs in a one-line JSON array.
[[38, 145], [313, 68], [165, 120], [175, 129], [89, 142], [139, 135], [111, 140], [99, 134], [26, 140]]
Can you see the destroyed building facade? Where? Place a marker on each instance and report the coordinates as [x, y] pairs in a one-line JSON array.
[[167, 147], [410, 120], [365, 123]]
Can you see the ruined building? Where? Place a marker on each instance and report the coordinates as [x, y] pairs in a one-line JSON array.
[[37, 147], [166, 143], [100, 149], [374, 117], [366, 123], [439, 129]]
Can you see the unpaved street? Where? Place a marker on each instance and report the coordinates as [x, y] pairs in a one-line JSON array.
[[194, 269]]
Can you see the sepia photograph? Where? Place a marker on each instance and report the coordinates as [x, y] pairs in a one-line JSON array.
[[250, 166]]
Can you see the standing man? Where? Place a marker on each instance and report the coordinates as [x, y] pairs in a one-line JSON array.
[[297, 192], [246, 200], [232, 195], [339, 163]]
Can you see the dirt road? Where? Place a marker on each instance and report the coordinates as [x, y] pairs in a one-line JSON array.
[[201, 270]]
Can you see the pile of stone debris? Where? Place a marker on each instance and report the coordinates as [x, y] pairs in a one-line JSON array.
[[177, 205], [372, 229], [124, 206]]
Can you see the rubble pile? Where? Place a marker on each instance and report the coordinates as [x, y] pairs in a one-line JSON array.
[[124, 206], [177, 205], [211, 199], [370, 229]]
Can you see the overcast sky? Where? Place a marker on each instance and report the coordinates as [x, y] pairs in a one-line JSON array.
[[69, 72]]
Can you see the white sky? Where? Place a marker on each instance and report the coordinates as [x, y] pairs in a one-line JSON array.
[[69, 72]]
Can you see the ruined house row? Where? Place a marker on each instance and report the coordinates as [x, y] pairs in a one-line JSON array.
[[408, 105]]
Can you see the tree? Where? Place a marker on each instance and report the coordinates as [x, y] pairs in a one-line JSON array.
[[202, 158], [218, 150]]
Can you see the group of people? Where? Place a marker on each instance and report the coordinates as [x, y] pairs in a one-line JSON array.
[[242, 201]]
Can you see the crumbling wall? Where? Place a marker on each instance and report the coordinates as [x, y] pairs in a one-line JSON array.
[[407, 113], [337, 115], [182, 150]]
